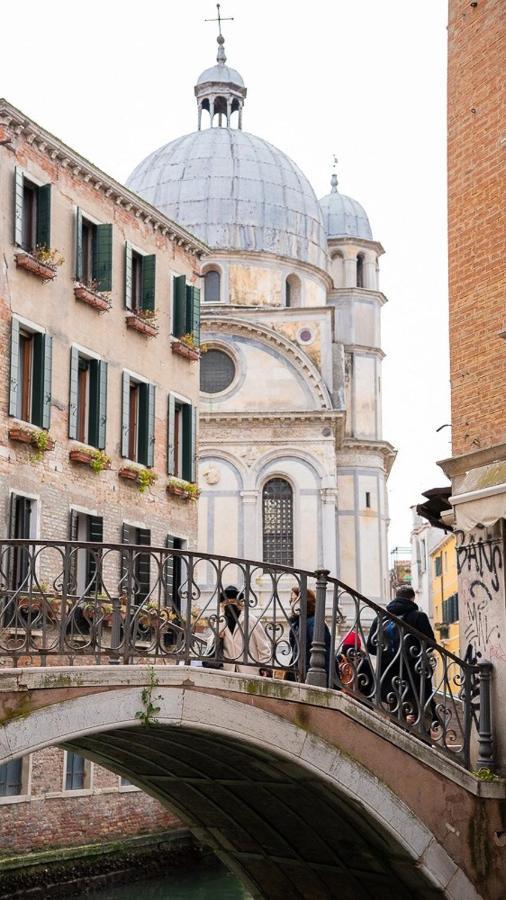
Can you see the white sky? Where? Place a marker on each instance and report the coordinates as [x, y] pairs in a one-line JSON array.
[[364, 79]]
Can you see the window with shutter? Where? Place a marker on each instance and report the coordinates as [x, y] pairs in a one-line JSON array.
[[11, 780], [102, 258], [172, 572], [128, 275], [148, 282], [20, 526], [44, 216], [136, 566], [30, 375], [88, 399], [139, 421], [74, 772], [179, 305], [181, 439], [193, 312]]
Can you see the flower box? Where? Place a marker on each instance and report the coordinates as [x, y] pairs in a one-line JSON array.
[[187, 491], [91, 297], [86, 457], [31, 264], [128, 474], [29, 436], [184, 350], [177, 491], [142, 325]]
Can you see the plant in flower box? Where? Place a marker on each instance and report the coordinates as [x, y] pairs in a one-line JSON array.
[[185, 489], [97, 460], [39, 439], [90, 292], [48, 257], [99, 608], [35, 601], [153, 614]]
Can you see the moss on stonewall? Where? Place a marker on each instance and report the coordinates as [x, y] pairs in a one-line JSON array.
[[479, 845]]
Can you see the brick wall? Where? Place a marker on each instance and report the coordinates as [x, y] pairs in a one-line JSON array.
[[477, 227], [52, 818]]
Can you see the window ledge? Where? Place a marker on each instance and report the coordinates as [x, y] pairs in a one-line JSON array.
[[85, 455], [149, 329], [184, 350], [28, 262], [99, 301], [25, 434], [15, 798]]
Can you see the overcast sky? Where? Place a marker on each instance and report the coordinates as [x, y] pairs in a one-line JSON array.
[[364, 79]]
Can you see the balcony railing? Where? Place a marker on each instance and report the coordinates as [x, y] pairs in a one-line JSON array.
[[64, 602]]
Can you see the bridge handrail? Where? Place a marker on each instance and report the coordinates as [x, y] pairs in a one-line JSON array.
[[87, 600]]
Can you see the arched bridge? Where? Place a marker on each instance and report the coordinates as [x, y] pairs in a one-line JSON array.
[[304, 792]]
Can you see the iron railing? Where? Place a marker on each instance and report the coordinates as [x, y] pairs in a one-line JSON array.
[[64, 602]]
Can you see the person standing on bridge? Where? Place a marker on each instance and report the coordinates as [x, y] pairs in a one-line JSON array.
[[295, 633], [232, 625]]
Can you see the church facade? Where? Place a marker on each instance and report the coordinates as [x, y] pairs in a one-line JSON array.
[[293, 465]]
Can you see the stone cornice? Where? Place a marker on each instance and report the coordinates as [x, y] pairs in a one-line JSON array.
[[459, 465], [58, 152], [288, 349], [356, 293], [272, 417], [387, 451], [359, 242], [363, 348]]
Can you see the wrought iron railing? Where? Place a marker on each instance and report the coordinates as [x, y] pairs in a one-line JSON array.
[[72, 602]]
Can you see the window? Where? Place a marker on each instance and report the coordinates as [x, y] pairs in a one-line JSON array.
[[138, 420], [22, 521], [360, 270], [292, 291], [451, 609], [140, 273], [30, 375], [438, 567], [173, 572], [75, 771], [212, 286], [277, 517], [88, 399], [11, 778], [93, 253], [32, 221], [368, 499], [84, 577], [288, 293], [135, 567], [185, 309], [181, 439], [217, 371]]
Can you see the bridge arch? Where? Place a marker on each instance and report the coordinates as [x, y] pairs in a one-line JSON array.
[[293, 814]]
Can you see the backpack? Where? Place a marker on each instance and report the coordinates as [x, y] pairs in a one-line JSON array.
[[391, 635]]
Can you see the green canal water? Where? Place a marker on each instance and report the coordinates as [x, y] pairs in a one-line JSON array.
[[204, 879]]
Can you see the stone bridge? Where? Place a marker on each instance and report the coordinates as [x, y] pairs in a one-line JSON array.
[[302, 791]]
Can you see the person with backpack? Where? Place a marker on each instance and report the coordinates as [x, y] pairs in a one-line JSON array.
[[402, 668]]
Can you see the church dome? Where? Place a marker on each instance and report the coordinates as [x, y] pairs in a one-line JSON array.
[[235, 191], [343, 216], [222, 74]]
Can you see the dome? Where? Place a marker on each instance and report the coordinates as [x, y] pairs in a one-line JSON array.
[[235, 191], [221, 73], [343, 216]]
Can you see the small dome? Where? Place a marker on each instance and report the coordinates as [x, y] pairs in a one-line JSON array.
[[235, 191], [343, 216], [222, 74]]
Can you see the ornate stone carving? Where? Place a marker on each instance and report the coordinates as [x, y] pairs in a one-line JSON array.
[[211, 474]]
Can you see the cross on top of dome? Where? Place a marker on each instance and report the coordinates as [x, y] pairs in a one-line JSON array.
[[220, 90]]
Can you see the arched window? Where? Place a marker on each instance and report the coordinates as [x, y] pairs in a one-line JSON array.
[[277, 522], [212, 280], [288, 292], [360, 270], [292, 291]]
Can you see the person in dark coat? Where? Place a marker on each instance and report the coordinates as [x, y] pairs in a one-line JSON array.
[[400, 657], [295, 635]]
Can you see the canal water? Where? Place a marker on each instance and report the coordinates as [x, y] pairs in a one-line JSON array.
[[204, 879]]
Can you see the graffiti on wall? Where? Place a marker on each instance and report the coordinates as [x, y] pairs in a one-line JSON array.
[[481, 591]]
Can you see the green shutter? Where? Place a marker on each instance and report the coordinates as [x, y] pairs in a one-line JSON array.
[[194, 445], [38, 379], [146, 424], [18, 206], [128, 275], [148, 281], [47, 375], [151, 425], [102, 404], [102, 258], [14, 371], [73, 392], [171, 421], [179, 306], [125, 413], [79, 245], [193, 312], [93, 403], [44, 216], [187, 443]]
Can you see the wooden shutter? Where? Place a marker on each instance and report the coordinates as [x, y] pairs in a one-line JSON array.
[[187, 442], [43, 238], [150, 456], [170, 543], [18, 206], [125, 414], [171, 424], [95, 532], [73, 528], [14, 370], [37, 379], [73, 392], [46, 379], [102, 262], [194, 445], [193, 312], [79, 245], [179, 306], [128, 275], [148, 281], [127, 537], [102, 405], [142, 564]]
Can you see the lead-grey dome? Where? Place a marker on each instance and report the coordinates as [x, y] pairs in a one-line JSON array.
[[235, 191], [343, 216], [221, 73]]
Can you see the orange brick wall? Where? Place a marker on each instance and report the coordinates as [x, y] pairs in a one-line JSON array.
[[477, 222]]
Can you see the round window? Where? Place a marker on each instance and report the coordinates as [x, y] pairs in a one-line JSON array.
[[217, 371]]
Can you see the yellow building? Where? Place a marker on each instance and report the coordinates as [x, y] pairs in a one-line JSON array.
[[444, 593]]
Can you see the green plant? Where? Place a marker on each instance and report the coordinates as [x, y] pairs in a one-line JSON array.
[[42, 441], [486, 775], [48, 257], [146, 715], [189, 340], [99, 460], [145, 479], [188, 487]]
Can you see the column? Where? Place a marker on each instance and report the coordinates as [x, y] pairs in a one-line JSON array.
[[370, 280], [249, 521], [350, 267]]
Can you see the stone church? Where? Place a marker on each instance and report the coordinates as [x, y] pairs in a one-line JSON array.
[[293, 466]]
